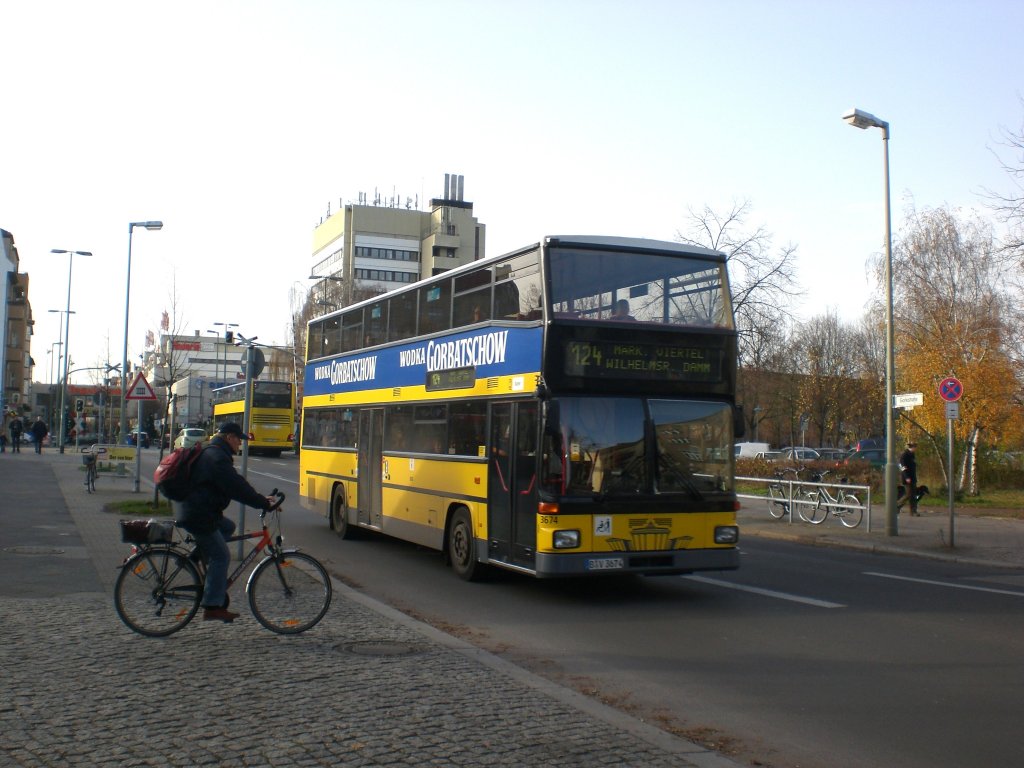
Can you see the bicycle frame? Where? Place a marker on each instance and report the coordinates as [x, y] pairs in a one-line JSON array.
[[265, 540]]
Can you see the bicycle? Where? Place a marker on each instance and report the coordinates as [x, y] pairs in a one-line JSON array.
[[90, 458], [161, 582], [778, 498], [844, 505]]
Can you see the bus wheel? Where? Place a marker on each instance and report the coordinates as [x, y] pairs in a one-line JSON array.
[[461, 547], [339, 515]]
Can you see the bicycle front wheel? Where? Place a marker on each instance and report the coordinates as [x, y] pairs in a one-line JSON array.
[[157, 592], [850, 517], [814, 511], [289, 592]]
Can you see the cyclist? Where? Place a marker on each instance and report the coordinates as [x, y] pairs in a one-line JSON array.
[[214, 484]]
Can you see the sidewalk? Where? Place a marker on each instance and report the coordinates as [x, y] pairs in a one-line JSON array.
[[368, 686], [980, 540]]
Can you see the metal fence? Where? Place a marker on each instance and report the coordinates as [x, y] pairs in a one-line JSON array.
[[796, 492]]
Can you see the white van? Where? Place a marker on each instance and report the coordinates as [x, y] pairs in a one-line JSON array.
[[749, 450]]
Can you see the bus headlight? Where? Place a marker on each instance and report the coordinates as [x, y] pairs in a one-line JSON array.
[[726, 534], [566, 539]]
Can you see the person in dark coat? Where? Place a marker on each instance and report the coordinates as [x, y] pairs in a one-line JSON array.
[[214, 484], [16, 428], [908, 467], [39, 432]]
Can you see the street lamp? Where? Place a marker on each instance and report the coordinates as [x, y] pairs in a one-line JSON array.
[[67, 331], [863, 120], [151, 225], [324, 279]]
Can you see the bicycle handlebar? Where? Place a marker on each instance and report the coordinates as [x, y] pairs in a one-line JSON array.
[[280, 500]]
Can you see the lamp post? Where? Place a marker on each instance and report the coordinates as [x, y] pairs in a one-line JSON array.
[[864, 120], [151, 225], [324, 279], [67, 330]]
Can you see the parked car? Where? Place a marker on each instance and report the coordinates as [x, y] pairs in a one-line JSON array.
[[189, 436], [138, 438], [832, 454], [798, 454], [83, 438], [768, 455], [868, 442], [874, 456]]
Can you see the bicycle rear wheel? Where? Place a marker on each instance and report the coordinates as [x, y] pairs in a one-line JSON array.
[[289, 592], [850, 517], [157, 592], [778, 506]]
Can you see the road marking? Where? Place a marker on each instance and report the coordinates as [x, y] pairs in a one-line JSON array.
[[767, 592], [946, 584], [273, 476]]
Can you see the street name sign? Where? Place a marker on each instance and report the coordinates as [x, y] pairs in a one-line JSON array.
[[908, 401]]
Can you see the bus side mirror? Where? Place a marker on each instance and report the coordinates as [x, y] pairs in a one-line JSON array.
[[739, 423]]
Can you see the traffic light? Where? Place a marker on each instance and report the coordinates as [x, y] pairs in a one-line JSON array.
[[79, 405], [229, 337]]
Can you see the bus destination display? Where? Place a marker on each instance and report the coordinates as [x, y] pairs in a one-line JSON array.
[[618, 360], [453, 378]]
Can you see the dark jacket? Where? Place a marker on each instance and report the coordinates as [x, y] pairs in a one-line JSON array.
[[39, 430], [214, 484], [908, 461]]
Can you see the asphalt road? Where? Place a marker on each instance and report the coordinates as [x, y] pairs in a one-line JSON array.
[[804, 657]]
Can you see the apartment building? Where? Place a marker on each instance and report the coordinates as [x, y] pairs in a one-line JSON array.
[[370, 247], [16, 323]]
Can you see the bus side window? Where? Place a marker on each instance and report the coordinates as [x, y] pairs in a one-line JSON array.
[[376, 325], [402, 316], [506, 301], [352, 330], [332, 336], [315, 342], [467, 427], [435, 307]]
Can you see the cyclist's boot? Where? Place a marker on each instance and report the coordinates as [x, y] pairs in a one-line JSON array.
[[219, 614]]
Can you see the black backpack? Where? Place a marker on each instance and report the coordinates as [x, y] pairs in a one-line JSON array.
[[173, 475]]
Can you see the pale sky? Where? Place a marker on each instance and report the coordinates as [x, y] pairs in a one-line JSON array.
[[238, 123]]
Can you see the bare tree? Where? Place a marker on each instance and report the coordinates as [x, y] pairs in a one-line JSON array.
[[1009, 207], [762, 278], [830, 376]]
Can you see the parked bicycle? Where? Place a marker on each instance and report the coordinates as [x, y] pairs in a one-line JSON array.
[[844, 505], [161, 583], [778, 493]]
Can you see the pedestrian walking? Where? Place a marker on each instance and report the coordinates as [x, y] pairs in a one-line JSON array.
[[16, 428], [908, 469], [39, 432]]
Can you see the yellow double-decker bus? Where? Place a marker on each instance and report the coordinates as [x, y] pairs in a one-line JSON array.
[[565, 409], [271, 418]]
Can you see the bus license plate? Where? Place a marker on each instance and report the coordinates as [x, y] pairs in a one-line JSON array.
[[605, 563]]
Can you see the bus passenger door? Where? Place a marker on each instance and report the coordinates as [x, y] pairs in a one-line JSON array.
[[371, 432], [512, 483]]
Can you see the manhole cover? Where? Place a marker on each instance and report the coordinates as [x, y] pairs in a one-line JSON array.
[[382, 648], [34, 550]]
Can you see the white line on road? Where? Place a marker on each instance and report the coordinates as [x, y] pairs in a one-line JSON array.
[[766, 592], [946, 584], [291, 480]]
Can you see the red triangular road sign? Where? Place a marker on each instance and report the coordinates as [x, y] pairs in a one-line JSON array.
[[140, 389]]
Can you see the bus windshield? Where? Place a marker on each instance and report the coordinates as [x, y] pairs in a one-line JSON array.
[[653, 288], [624, 445]]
